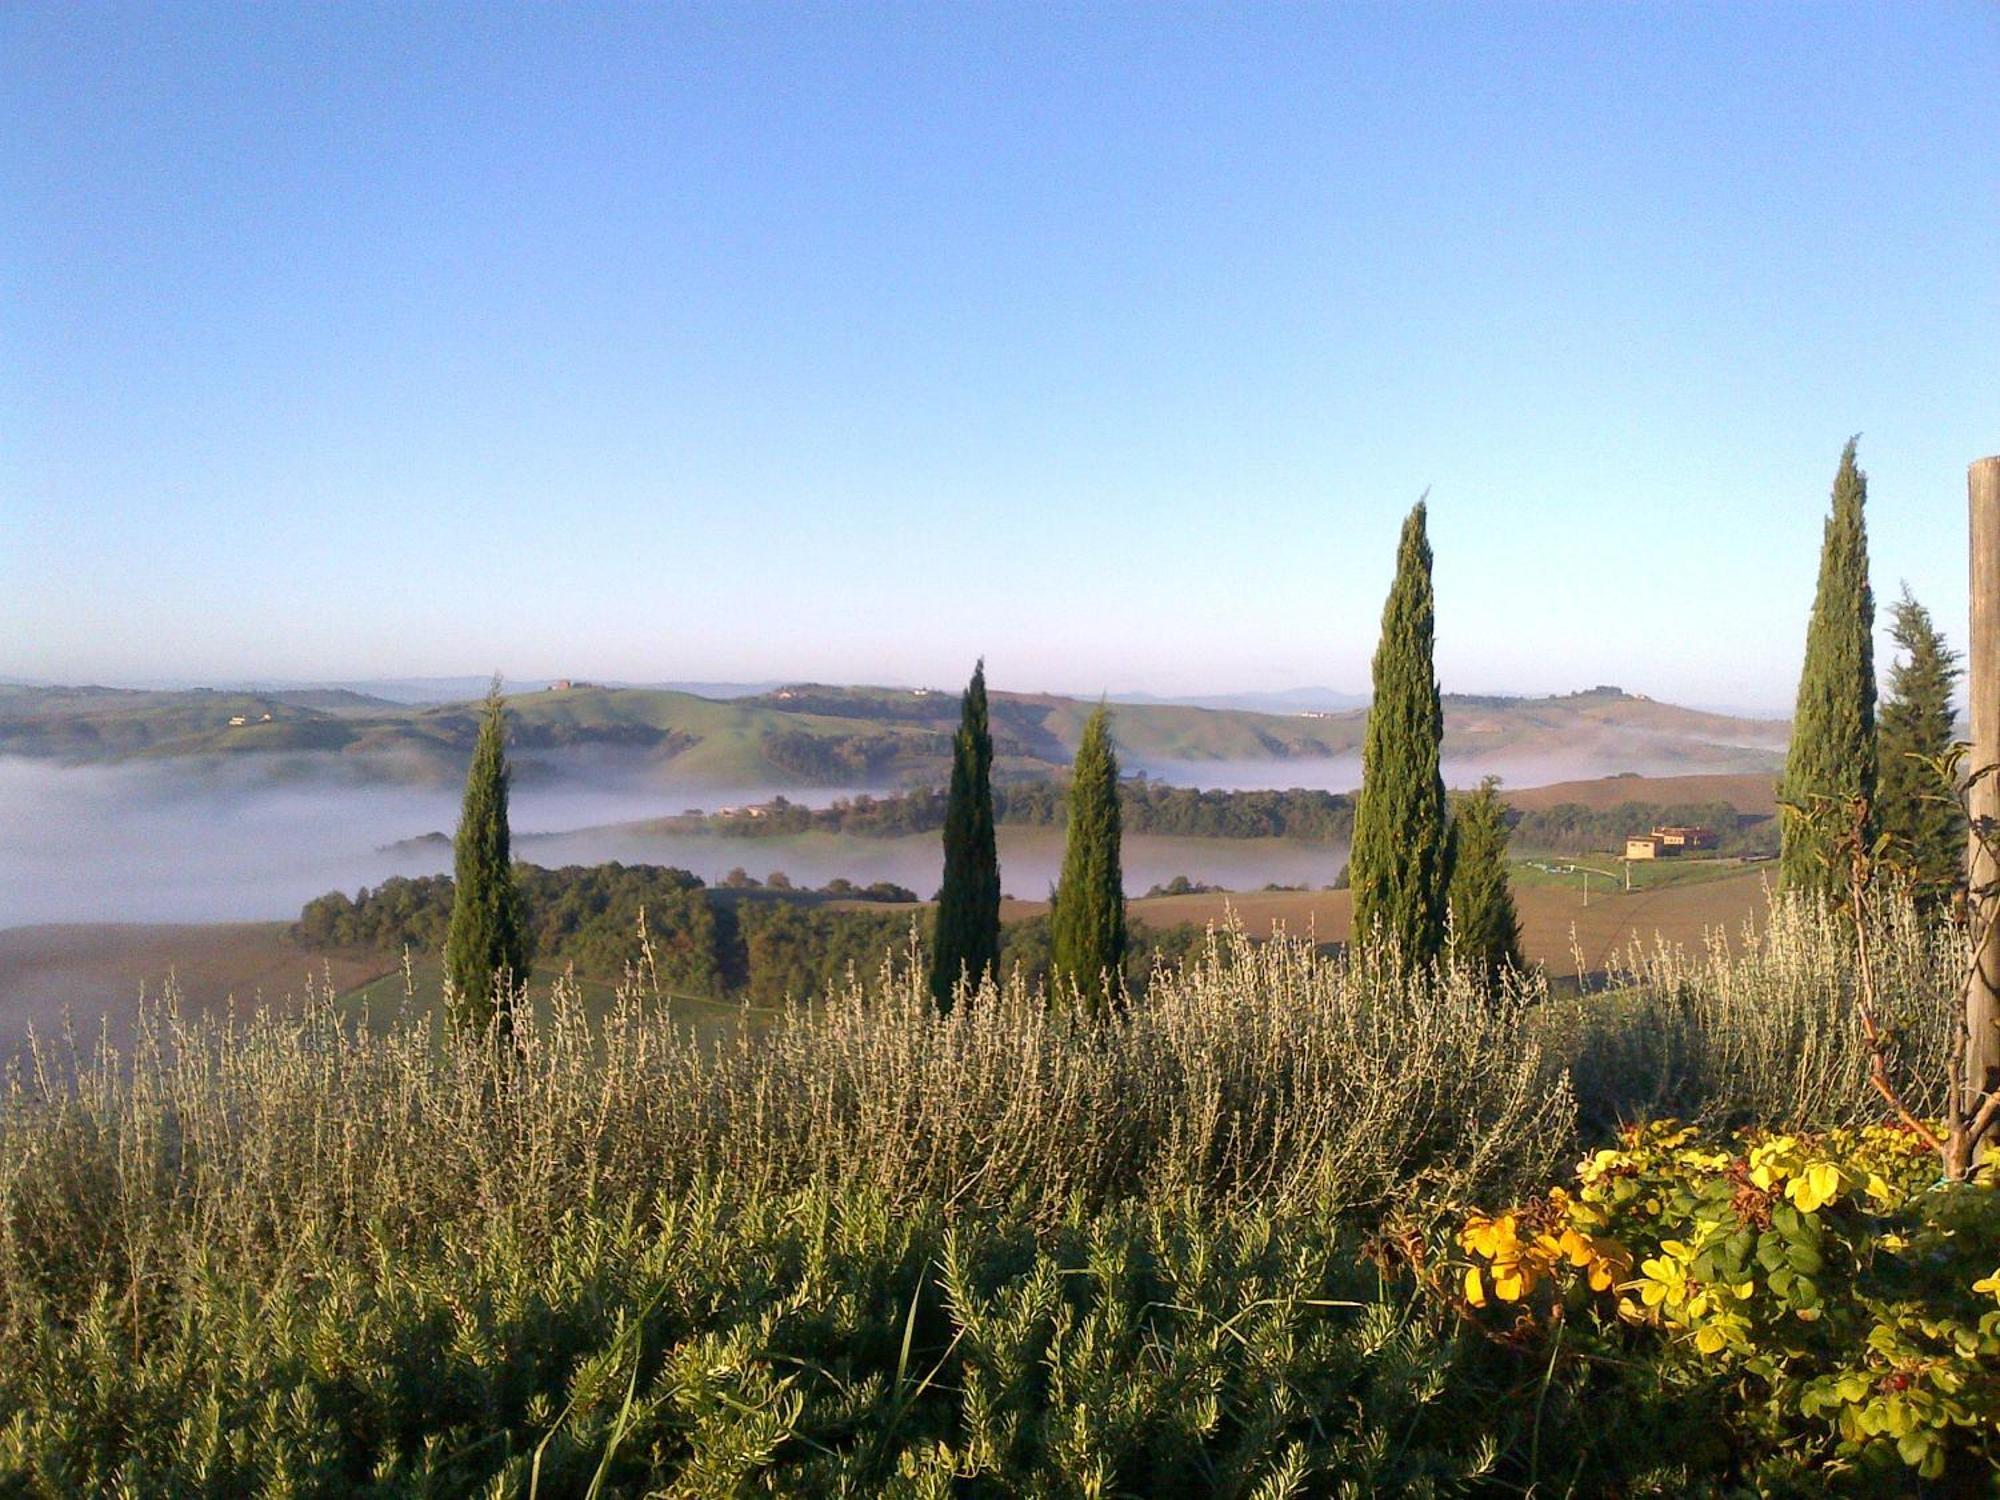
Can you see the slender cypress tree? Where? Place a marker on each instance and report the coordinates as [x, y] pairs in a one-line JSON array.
[[1832, 760], [1484, 924], [1401, 864], [1917, 807], [1087, 923], [968, 913], [485, 948]]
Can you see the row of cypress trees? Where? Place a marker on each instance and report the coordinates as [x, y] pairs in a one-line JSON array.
[[1424, 871], [1415, 867], [1087, 914], [486, 954]]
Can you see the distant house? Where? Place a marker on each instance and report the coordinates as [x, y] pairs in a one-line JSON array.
[[1679, 838], [561, 685], [237, 721], [1314, 713], [1668, 842]]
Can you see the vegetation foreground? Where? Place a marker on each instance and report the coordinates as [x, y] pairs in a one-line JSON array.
[[1288, 1224]]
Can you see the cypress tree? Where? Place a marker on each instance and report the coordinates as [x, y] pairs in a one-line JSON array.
[[1400, 867], [1484, 924], [485, 947], [1087, 922], [968, 913], [1832, 760], [1917, 808]]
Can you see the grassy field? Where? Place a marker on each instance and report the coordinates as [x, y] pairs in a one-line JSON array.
[[1213, 1243]]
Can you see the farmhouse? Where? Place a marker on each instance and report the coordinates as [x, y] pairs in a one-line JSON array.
[[1668, 841], [1677, 837]]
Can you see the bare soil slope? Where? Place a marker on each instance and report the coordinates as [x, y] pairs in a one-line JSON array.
[[100, 970], [1755, 793], [1554, 921]]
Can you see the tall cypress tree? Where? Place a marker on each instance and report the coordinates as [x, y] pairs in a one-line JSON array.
[[1918, 809], [1087, 924], [1484, 924], [1401, 864], [1832, 760], [968, 913], [485, 948]]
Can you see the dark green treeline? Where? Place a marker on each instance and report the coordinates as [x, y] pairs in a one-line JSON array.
[[967, 944], [1087, 920], [1401, 865], [1832, 761], [485, 949]]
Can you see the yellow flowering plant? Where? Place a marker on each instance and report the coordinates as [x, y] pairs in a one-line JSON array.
[[1851, 1297]]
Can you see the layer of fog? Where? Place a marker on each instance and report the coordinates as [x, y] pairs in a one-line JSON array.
[[170, 843], [222, 842]]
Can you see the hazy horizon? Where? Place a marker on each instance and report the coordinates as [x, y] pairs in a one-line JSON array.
[[457, 687]]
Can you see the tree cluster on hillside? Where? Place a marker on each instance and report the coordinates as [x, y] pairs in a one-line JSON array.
[[818, 760], [760, 945]]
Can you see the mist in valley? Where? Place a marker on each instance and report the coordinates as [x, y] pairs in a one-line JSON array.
[[220, 842], [226, 841]]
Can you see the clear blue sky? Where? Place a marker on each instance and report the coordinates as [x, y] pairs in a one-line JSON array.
[[850, 342]]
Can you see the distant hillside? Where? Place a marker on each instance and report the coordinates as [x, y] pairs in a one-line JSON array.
[[1755, 794], [809, 735]]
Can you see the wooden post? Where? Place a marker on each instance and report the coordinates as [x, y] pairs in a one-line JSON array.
[[1982, 990]]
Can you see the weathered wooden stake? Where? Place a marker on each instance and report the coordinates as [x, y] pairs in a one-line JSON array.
[[1982, 990]]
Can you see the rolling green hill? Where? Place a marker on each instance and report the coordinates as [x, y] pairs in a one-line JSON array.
[[813, 735]]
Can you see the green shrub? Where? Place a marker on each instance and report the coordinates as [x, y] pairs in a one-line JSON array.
[[1846, 1301]]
